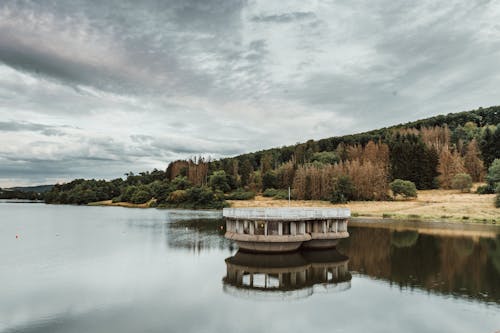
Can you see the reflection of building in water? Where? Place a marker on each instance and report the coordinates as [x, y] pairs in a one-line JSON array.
[[297, 274], [285, 229], [197, 235]]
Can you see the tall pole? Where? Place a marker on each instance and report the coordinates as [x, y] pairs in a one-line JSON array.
[[288, 196]]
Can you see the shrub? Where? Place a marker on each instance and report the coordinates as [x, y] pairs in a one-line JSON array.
[[269, 180], [325, 157], [493, 177], [177, 196], [497, 198], [180, 183], [276, 194], [240, 194], [269, 192], [343, 190], [405, 188], [218, 181], [485, 189], [203, 197], [128, 193], [141, 197], [462, 182]]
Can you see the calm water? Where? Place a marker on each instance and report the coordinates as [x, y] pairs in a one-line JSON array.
[[107, 269]]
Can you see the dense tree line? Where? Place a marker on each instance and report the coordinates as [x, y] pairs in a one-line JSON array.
[[148, 187], [18, 194], [440, 151], [428, 152]]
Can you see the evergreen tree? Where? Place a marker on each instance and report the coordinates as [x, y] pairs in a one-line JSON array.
[[490, 145], [412, 160]]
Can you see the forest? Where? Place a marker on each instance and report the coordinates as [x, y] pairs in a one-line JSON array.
[[446, 151]]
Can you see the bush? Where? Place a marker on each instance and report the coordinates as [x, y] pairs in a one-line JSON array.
[[269, 180], [180, 183], [325, 157], [141, 197], [462, 182], [203, 197], [240, 194], [485, 189], [405, 188], [493, 176], [343, 190], [177, 196], [497, 198], [218, 181], [269, 192], [276, 194]]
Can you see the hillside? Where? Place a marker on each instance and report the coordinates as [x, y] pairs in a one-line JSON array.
[[427, 154], [36, 189]]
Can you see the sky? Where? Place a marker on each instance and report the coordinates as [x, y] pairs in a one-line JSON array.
[[95, 89]]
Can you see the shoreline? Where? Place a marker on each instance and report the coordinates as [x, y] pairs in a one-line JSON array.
[[438, 206], [431, 206]]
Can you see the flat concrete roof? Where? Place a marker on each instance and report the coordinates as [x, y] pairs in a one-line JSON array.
[[287, 214]]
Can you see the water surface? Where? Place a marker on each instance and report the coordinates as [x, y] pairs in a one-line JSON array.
[[112, 269]]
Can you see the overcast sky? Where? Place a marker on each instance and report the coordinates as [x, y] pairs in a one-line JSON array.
[[99, 88]]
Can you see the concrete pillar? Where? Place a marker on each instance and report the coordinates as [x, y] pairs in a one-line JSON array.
[[237, 227], [293, 229], [336, 226], [280, 228], [265, 228], [252, 228], [324, 227], [293, 278]]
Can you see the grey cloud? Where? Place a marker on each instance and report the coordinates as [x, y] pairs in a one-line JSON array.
[[147, 82], [284, 18], [15, 126]]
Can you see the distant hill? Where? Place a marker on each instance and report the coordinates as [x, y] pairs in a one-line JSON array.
[[36, 189], [481, 117]]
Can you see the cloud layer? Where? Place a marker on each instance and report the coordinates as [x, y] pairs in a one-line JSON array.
[[96, 89]]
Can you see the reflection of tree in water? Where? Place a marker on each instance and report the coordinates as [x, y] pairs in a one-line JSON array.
[[415, 265], [198, 234], [406, 238], [463, 246], [493, 246], [460, 266]]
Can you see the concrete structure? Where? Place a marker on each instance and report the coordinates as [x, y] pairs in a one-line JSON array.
[[290, 275], [285, 229]]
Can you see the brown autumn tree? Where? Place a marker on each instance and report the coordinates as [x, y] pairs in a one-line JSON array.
[[367, 167], [285, 174], [437, 137], [450, 164], [473, 163]]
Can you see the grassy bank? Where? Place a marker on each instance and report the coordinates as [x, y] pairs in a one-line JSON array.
[[121, 204], [431, 205]]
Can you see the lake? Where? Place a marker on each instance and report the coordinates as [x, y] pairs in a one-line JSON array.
[[112, 269]]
